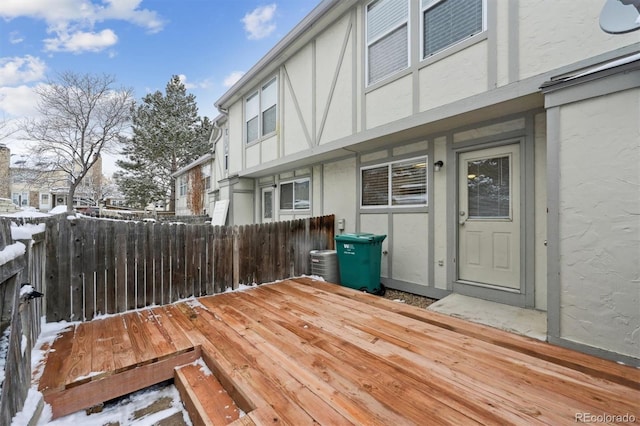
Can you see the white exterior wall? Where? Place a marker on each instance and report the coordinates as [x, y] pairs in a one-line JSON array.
[[465, 74], [390, 102], [235, 124], [600, 222], [298, 102], [339, 191], [334, 82], [557, 33], [540, 165], [439, 211]]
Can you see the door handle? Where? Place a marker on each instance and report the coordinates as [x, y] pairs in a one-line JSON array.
[[463, 218]]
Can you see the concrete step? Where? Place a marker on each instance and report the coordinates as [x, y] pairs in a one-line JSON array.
[[205, 399]]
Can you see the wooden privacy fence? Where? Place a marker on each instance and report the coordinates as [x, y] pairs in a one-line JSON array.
[[98, 266]]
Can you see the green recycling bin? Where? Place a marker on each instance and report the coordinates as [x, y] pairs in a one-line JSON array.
[[359, 261]]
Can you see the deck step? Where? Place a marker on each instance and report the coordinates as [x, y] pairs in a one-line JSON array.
[[205, 399]]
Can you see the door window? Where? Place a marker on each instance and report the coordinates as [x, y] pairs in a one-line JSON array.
[[488, 187]]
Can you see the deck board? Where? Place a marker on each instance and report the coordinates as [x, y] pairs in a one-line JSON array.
[[302, 351]]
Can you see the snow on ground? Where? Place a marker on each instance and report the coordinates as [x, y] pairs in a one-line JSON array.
[[129, 410]]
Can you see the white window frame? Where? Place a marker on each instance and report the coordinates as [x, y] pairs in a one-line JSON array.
[[423, 159], [426, 5], [261, 109], [293, 182], [390, 30], [182, 185]]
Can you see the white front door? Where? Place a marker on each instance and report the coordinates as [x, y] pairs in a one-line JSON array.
[[267, 205], [489, 218]]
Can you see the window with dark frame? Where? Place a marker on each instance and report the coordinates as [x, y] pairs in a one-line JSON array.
[[387, 38], [295, 195], [395, 184], [447, 22]]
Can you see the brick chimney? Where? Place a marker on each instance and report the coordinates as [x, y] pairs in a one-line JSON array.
[[5, 178]]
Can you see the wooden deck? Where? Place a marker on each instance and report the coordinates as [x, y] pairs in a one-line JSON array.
[[302, 352]]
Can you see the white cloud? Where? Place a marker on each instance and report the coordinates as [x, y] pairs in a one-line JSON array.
[[203, 84], [15, 37], [19, 70], [259, 23], [232, 78], [73, 21], [81, 41], [20, 101], [55, 12]]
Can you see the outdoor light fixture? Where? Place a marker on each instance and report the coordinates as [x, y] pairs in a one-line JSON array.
[[437, 165]]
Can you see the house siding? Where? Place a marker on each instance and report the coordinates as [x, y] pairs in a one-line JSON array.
[[483, 92], [599, 223]]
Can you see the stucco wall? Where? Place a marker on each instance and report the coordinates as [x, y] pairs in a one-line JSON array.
[[334, 102], [599, 224], [390, 102], [339, 191], [236, 138], [540, 152], [560, 32], [454, 77]]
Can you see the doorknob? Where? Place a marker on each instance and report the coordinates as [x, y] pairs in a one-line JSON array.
[[463, 218]]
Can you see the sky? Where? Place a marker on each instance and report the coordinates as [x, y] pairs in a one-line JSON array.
[[142, 43]]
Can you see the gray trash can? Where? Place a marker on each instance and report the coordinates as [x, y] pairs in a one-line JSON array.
[[324, 263]]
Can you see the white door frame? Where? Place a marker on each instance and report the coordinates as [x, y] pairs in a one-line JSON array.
[[525, 295]]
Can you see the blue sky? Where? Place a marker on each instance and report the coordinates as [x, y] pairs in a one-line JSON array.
[[210, 43]]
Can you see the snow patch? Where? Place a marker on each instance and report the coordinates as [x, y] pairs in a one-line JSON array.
[[26, 232], [12, 252]]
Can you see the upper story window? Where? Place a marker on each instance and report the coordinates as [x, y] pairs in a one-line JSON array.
[[387, 38], [260, 111], [182, 185], [206, 175], [447, 22], [400, 183]]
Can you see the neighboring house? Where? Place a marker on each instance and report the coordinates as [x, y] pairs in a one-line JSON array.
[[37, 186], [198, 184], [495, 143]]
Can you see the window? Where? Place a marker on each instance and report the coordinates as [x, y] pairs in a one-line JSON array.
[[268, 107], [182, 183], [260, 111], [447, 22], [400, 183], [387, 38], [267, 204], [488, 188], [295, 195], [44, 198], [206, 175], [20, 198]]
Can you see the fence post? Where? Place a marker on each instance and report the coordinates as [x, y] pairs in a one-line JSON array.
[[236, 258]]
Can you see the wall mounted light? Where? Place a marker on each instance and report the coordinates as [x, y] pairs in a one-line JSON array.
[[437, 165]]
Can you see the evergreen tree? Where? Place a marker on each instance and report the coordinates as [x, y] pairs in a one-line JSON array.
[[167, 135]]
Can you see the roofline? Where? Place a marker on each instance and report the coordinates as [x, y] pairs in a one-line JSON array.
[[302, 27], [617, 65], [193, 164]]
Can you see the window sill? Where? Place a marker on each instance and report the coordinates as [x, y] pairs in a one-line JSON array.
[[453, 49], [260, 139]]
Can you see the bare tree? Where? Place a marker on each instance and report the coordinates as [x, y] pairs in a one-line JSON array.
[[80, 116], [5, 129]]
